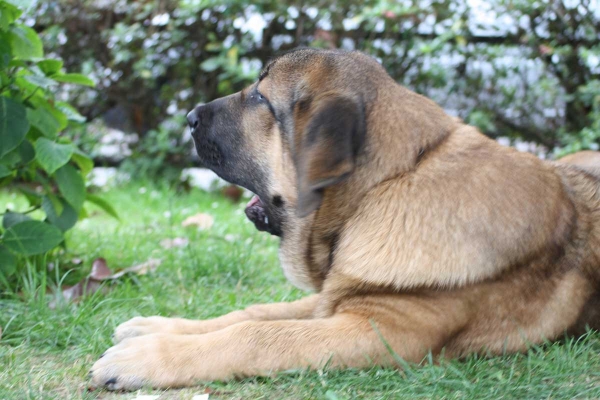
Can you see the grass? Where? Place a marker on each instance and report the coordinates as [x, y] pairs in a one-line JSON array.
[[46, 353]]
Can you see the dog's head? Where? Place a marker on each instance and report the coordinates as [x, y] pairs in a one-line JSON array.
[[292, 134]]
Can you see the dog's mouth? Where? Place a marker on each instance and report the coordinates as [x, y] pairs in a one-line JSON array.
[[255, 211]]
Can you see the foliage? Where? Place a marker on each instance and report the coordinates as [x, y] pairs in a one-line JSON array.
[[35, 157], [160, 153], [518, 68]]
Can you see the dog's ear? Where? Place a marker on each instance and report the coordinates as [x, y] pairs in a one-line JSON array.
[[330, 130]]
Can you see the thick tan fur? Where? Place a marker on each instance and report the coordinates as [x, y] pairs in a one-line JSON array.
[[433, 238]]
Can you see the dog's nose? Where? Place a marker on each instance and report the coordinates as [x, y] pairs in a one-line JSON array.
[[193, 119]]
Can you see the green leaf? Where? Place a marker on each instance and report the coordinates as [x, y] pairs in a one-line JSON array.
[[44, 121], [78, 79], [52, 155], [26, 152], [5, 50], [50, 66], [32, 237], [41, 81], [8, 14], [71, 185], [4, 171], [103, 204], [33, 197], [25, 43], [57, 204], [64, 219], [53, 109], [13, 218], [8, 262], [71, 113], [13, 124], [83, 161]]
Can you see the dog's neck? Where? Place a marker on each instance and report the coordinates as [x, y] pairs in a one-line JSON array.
[[307, 249]]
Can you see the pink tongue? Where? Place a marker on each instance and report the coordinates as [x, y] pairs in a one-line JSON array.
[[254, 201]]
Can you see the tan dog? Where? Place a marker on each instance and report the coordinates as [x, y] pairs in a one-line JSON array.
[[587, 160], [415, 231]]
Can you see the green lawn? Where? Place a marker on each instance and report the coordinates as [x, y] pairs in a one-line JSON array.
[[46, 353]]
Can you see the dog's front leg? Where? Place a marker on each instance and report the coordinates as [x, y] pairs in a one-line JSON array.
[[259, 348], [138, 326]]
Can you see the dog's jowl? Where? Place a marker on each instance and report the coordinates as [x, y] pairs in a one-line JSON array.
[[410, 228]]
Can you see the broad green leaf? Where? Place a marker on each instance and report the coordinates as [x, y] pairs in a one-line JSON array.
[[56, 202], [25, 43], [51, 155], [64, 219], [44, 121], [78, 79], [71, 185], [11, 159], [5, 50], [52, 108], [32, 237], [4, 171], [71, 113], [13, 218], [26, 152], [8, 262], [13, 124], [28, 89], [83, 161], [103, 204], [8, 14], [41, 81], [50, 66], [23, 154], [33, 197]]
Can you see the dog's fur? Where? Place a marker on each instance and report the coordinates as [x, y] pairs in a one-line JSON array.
[[415, 231]]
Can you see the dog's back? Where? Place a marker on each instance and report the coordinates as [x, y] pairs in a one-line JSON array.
[[587, 160], [581, 173]]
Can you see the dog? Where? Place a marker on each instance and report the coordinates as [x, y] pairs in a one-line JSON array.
[[416, 233], [587, 160]]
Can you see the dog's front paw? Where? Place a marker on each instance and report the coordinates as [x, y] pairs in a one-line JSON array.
[[150, 360], [140, 326]]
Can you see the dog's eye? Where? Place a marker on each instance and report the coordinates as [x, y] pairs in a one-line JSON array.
[[258, 97]]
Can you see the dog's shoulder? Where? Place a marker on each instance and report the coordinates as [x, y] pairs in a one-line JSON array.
[[469, 211]]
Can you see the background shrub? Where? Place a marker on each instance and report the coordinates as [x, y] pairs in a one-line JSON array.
[[518, 68]]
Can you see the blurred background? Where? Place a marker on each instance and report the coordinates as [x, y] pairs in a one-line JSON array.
[[524, 71]]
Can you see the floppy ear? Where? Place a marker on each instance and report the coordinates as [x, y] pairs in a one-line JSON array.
[[332, 129]]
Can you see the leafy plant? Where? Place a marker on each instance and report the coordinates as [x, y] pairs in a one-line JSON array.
[[36, 158]]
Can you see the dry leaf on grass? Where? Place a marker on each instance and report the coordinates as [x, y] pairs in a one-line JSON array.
[[201, 220], [100, 273], [233, 193], [140, 269], [176, 242]]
